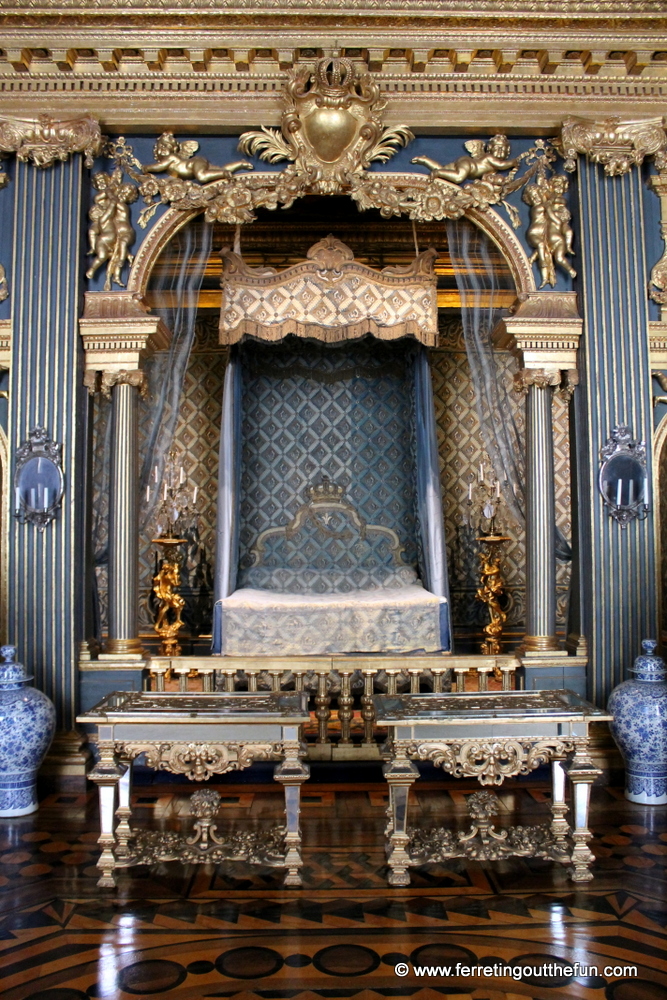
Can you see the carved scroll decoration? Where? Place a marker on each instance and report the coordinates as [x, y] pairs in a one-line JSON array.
[[199, 761], [488, 760], [657, 285]]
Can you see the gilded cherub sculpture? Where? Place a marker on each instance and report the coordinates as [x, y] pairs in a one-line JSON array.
[[549, 232], [111, 233], [178, 160], [167, 578], [484, 158]]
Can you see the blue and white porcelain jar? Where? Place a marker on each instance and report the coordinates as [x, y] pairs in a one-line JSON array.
[[27, 724], [639, 707]]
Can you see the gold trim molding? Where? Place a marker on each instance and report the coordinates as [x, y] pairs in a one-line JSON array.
[[119, 333], [657, 333], [617, 144], [543, 332], [44, 139]]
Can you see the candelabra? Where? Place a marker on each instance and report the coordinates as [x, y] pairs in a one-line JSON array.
[[482, 514], [176, 509]]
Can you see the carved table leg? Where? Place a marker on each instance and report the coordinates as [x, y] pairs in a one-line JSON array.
[[291, 773], [345, 703], [400, 774], [124, 812], [559, 825], [322, 708], [582, 773], [106, 775]]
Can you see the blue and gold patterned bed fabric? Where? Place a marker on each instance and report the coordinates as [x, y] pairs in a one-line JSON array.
[[344, 414]]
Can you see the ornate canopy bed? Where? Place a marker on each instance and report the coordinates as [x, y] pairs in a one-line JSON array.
[[330, 529]]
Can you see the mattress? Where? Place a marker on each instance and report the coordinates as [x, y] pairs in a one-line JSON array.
[[405, 619]]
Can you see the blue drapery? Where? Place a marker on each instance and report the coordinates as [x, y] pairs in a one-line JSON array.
[[429, 495], [229, 481]]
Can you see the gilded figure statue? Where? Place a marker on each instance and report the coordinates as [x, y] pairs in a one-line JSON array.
[[111, 233], [491, 590], [484, 158], [549, 232], [164, 583], [178, 160]]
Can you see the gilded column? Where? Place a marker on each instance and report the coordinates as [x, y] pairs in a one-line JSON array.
[[543, 333], [617, 564], [123, 509], [45, 572], [118, 334], [540, 511]]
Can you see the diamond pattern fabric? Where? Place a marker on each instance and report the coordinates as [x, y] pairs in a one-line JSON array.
[[346, 413]]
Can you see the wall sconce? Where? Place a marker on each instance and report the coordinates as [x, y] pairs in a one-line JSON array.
[[39, 482], [623, 479]]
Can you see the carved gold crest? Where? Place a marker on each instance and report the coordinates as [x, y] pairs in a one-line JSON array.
[[331, 127]]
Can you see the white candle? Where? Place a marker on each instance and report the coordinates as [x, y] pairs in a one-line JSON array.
[[481, 473], [631, 492], [45, 502], [33, 499], [469, 491], [164, 495], [148, 494], [498, 488], [619, 490], [155, 473], [17, 501], [182, 479], [194, 495]]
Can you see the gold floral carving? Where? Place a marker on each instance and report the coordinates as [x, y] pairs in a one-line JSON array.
[[539, 377], [123, 377], [199, 761], [617, 144], [4, 290], [44, 140]]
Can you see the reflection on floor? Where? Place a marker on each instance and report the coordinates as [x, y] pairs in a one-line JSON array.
[[193, 932]]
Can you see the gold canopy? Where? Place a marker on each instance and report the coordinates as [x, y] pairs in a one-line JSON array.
[[329, 297]]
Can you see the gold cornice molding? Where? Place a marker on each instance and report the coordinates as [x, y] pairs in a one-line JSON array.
[[119, 333], [543, 332], [43, 140], [5, 344], [617, 144]]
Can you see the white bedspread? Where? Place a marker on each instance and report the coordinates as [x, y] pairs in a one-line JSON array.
[[389, 620]]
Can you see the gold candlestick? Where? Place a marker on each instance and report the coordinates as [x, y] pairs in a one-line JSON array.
[[490, 591], [170, 604]]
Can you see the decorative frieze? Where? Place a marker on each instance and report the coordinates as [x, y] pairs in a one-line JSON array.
[[542, 332], [44, 139], [615, 143]]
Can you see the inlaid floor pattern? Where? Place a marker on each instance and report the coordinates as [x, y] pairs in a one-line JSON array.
[[192, 932]]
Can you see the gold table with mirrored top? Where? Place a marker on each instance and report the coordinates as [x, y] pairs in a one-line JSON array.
[[197, 735], [489, 736]]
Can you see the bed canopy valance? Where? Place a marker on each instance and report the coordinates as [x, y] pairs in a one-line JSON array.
[[329, 297]]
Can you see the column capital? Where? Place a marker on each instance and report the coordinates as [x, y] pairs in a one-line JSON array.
[[617, 144], [119, 332], [535, 376], [108, 380], [43, 140]]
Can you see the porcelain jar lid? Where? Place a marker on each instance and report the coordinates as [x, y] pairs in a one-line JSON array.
[[648, 666], [12, 674]]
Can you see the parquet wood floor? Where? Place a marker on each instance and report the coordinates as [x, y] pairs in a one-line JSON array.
[[196, 932]]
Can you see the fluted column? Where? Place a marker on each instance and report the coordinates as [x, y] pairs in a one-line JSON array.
[[540, 514], [123, 509]]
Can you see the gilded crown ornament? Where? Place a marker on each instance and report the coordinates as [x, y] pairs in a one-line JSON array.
[[331, 127], [326, 490]]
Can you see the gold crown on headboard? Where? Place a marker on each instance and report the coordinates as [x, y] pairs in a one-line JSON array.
[[325, 490]]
